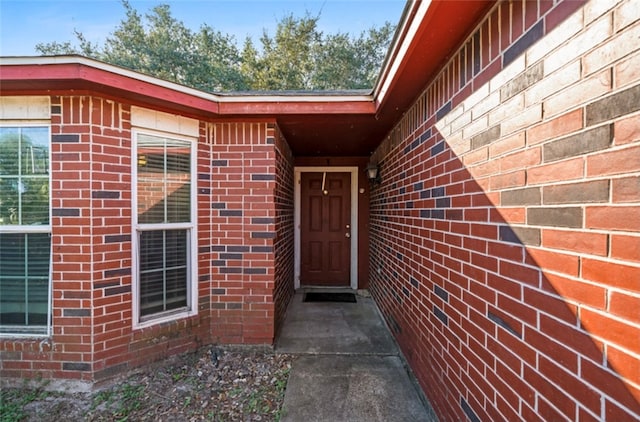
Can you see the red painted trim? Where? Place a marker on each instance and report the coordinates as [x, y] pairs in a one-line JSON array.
[[311, 124], [99, 80], [24, 78]]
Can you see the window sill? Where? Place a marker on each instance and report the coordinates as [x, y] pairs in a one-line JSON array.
[[163, 318]]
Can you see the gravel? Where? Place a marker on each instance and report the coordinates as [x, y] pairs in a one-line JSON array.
[[213, 384]]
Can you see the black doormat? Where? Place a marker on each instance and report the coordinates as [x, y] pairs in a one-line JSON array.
[[329, 297]]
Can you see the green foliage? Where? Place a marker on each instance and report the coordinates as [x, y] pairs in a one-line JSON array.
[[351, 62], [298, 57], [162, 46], [287, 60]]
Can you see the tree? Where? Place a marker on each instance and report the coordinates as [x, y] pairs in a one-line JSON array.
[[371, 49], [287, 60], [301, 57], [217, 64], [250, 66], [162, 46], [298, 57]]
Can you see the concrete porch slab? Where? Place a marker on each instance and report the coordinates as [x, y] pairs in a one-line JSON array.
[[348, 366], [337, 328], [351, 388]]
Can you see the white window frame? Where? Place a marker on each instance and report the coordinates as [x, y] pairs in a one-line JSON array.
[[28, 229], [192, 235]]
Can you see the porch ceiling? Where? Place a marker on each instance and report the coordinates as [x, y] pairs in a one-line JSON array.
[[427, 46], [314, 124]]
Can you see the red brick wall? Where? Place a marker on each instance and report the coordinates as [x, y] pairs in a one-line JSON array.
[[110, 230], [504, 243], [68, 353], [244, 180], [283, 244], [245, 264]]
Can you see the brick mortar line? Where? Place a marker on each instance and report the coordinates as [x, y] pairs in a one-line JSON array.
[[91, 228]]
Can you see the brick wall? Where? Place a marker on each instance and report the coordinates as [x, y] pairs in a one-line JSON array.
[[110, 234], [245, 252], [67, 354], [283, 243], [244, 216], [505, 247]]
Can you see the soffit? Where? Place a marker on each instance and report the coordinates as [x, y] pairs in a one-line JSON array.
[[314, 124]]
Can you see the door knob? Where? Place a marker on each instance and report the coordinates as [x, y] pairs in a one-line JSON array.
[[347, 234]]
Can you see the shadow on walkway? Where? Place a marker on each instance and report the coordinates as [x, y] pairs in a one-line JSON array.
[[347, 368]]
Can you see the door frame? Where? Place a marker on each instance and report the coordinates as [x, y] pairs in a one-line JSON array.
[[297, 171]]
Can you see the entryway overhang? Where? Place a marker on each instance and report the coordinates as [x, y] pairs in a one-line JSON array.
[[351, 123]]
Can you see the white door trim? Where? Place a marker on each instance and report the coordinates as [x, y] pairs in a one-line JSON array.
[[297, 171]]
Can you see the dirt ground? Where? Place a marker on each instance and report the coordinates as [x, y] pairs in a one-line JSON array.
[[213, 384]]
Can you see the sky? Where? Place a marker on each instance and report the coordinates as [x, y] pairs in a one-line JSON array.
[[25, 23]]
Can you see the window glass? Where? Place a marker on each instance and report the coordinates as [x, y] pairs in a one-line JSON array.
[[164, 180], [25, 240], [163, 271], [24, 176], [163, 192]]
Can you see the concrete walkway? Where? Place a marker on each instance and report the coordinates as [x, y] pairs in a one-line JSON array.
[[347, 367]]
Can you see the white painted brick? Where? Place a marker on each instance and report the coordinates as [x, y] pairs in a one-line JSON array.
[[151, 119], [486, 105], [553, 83], [585, 41], [578, 94], [25, 108], [563, 32], [626, 14], [523, 119], [507, 109], [476, 97], [511, 71], [625, 43], [476, 127]]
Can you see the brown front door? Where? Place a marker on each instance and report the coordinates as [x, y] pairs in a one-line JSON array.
[[325, 229]]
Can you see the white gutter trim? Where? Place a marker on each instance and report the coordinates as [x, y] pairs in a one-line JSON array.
[[382, 87], [296, 98]]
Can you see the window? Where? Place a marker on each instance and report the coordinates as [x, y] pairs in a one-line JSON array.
[[165, 229], [25, 231]]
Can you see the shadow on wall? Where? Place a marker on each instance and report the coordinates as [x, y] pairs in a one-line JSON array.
[[495, 324]]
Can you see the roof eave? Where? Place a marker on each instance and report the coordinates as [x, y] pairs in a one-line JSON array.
[[18, 73]]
